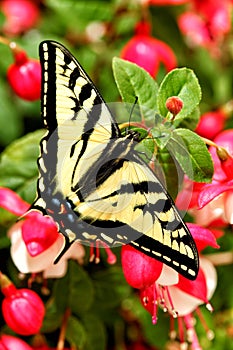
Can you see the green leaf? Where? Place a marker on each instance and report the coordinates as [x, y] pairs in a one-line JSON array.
[[76, 333], [110, 288], [181, 82], [96, 332], [53, 318], [74, 290], [18, 165], [134, 82], [11, 124], [170, 166], [189, 122], [192, 155], [81, 292]]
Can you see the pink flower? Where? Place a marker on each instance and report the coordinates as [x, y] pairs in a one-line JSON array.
[[35, 241], [148, 52], [211, 124], [182, 298], [164, 2], [8, 342], [22, 309], [215, 200], [24, 76], [21, 15], [206, 23]]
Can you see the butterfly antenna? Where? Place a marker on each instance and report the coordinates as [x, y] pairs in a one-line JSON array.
[[131, 112]]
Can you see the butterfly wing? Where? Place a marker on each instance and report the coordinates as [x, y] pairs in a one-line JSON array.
[[131, 206], [91, 181]]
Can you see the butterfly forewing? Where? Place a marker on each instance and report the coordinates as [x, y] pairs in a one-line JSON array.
[[91, 180]]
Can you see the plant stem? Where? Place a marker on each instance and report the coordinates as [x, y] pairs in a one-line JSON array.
[[61, 340]]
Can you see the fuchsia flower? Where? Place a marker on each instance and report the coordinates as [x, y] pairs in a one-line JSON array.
[[164, 2], [207, 23], [35, 241], [219, 194], [21, 15], [22, 309], [8, 342], [212, 204], [148, 52], [211, 124], [161, 286], [24, 75]]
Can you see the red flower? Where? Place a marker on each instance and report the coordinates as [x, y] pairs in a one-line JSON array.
[[139, 269], [206, 23], [35, 239], [211, 124], [148, 52], [180, 299], [21, 15], [164, 2], [212, 203], [8, 342], [22, 309], [24, 76]]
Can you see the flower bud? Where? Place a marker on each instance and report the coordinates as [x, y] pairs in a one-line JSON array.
[[210, 124], [174, 104], [8, 342], [148, 52], [139, 269], [22, 309], [24, 76]]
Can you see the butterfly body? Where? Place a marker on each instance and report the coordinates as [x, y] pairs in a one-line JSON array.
[[92, 182]]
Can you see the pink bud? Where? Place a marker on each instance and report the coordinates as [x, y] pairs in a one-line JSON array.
[[174, 104], [24, 76], [22, 309], [8, 342], [139, 269]]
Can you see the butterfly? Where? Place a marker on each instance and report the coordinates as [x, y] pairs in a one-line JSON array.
[[91, 180]]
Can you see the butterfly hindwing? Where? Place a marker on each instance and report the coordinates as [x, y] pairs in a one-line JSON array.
[[91, 180]]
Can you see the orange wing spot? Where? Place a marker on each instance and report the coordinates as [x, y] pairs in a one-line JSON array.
[[63, 209]]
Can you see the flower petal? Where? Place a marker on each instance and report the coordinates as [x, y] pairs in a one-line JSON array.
[[211, 191], [11, 201], [197, 288], [210, 275], [23, 260], [139, 269], [168, 276], [183, 303], [229, 207], [39, 233], [202, 236]]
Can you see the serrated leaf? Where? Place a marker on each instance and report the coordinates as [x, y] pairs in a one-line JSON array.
[[181, 82], [134, 82], [192, 155], [18, 165], [76, 333], [96, 332]]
